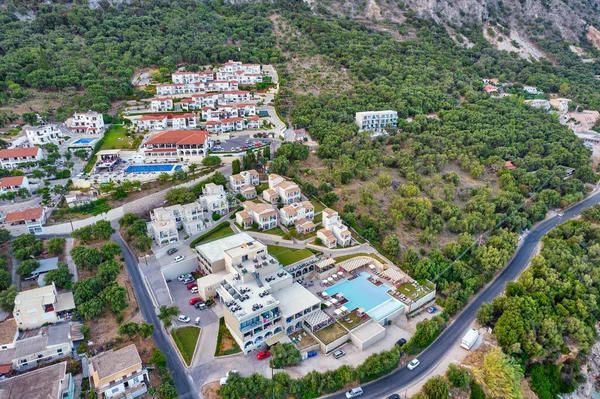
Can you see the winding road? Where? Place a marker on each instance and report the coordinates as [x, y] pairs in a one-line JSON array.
[[402, 378]]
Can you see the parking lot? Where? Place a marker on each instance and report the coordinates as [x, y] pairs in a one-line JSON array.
[[181, 297], [235, 143]]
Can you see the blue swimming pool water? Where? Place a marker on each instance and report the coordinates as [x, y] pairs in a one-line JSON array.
[[151, 168], [85, 140], [361, 293]]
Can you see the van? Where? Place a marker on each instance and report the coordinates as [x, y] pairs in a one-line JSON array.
[[194, 290]]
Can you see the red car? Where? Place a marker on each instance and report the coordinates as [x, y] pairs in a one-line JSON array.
[[193, 301], [191, 285], [262, 355]]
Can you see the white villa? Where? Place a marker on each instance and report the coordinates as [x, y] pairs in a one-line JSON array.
[[280, 189], [12, 157], [166, 221], [376, 120], [264, 215], [87, 123], [214, 199], [333, 231], [40, 135], [290, 214], [246, 180], [161, 104]]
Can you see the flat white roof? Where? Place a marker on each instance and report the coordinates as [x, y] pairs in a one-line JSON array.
[[215, 250], [295, 298], [367, 330], [211, 279]]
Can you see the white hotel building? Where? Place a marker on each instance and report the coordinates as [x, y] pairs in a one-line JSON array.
[[45, 134], [376, 120]]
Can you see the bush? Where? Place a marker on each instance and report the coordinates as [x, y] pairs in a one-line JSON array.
[[284, 355], [458, 376], [477, 391], [215, 216]]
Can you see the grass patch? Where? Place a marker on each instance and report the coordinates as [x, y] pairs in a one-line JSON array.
[[318, 206], [91, 208], [275, 231], [222, 230], [257, 201], [226, 345], [287, 256], [90, 165], [331, 333], [186, 339], [346, 257], [294, 233], [409, 290], [357, 236], [318, 218], [351, 321], [115, 138]]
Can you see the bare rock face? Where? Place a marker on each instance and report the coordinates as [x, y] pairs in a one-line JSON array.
[[568, 19]]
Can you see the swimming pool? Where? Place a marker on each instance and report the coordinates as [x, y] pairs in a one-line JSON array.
[[152, 168], [361, 293], [85, 140]]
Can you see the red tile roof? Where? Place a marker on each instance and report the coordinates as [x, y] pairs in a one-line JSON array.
[[153, 117], [19, 152], [186, 100], [27, 214], [252, 118], [236, 92], [232, 120], [11, 181], [162, 150], [179, 137]]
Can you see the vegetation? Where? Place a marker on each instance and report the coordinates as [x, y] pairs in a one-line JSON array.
[[166, 314], [26, 246], [226, 345], [101, 230], [219, 231], [61, 277], [186, 339], [287, 256], [56, 245], [136, 231], [283, 355]]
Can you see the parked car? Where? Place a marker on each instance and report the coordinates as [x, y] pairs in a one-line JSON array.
[[178, 258], [354, 392], [400, 342], [393, 396], [431, 309], [172, 251], [263, 355], [200, 305], [188, 280], [195, 300], [197, 322], [191, 285], [226, 378], [413, 364], [184, 277], [338, 354], [183, 318], [194, 290]]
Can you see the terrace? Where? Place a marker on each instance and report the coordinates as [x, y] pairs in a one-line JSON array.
[[329, 334]]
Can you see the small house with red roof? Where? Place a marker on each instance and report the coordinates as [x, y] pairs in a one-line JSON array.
[[13, 184], [177, 145], [30, 220], [12, 157], [510, 166]]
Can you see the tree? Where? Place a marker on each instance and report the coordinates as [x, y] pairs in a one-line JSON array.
[[391, 245], [129, 329], [330, 198], [167, 390], [458, 376], [56, 245], [166, 313], [235, 167], [180, 196], [436, 388], [115, 296], [211, 160], [585, 174], [61, 277], [27, 267], [283, 355], [91, 309], [146, 330], [110, 250], [108, 270], [4, 236], [5, 279], [280, 165], [7, 298]]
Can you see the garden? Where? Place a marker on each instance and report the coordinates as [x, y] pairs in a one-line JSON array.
[[287, 256], [186, 339]]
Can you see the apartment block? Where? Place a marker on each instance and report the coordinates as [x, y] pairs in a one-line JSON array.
[[151, 122], [166, 221], [177, 145], [119, 374], [290, 214], [36, 307], [261, 301], [376, 121], [333, 231], [233, 97], [87, 123], [560, 104], [264, 215], [203, 100], [30, 220], [45, 134], [161, 104], [12, 157], [214, 199], [187, 77], [243, 179], [51, 382], [172, 89], [282, 190], [13, 184]]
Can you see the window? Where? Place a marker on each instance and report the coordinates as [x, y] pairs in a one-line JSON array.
[[115, 390], [59, 351]]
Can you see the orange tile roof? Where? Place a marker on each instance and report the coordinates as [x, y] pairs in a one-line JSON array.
[[252, 118], [153, 117], [179, 137], [232, 120], [186, 100], [19, 152], [11, 181], [27, 214]]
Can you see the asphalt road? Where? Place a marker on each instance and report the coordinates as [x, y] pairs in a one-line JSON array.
[[185, 388], [402, 378]]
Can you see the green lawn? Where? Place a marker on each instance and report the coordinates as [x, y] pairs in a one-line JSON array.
[[186, 339], [318, 218], [275, 231], [287, 256], [112, 136], [346, 257], [222, 230], [226, 345], [318, 206]]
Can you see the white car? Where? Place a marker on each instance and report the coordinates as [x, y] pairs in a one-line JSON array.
[[413, 364], [184, 277], [226, 378], [183, 318], [179, 258], [354, 392]]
